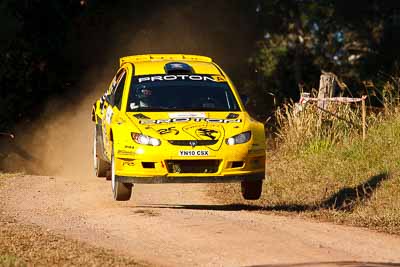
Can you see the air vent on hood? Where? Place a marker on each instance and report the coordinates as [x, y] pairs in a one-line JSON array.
[[140, 116], [232, 116]]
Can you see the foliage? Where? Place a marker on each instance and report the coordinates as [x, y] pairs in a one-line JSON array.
[[304, 128], [62, 48], [326, 171], [31, 55], [298, 39], [46, 46]]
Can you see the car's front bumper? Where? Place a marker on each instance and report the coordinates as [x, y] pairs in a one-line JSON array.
[[136, 171], [164, 165], [190, 179]]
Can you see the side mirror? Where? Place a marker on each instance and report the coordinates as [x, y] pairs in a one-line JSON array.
[[245, 99]]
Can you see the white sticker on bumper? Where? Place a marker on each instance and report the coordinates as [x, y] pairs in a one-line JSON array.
[[194, 153]]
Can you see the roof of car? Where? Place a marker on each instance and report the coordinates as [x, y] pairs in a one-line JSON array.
[[155, 63]]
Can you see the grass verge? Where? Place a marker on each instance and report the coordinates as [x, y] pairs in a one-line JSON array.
[[340, 179], [30, 245], [7, 260]]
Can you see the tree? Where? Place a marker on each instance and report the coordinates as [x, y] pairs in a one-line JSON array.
[[354, 39]]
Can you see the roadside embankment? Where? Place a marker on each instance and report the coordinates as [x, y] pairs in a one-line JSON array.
[[333, 175]]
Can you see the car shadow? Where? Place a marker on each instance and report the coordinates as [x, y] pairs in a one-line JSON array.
[[346, 199], [210, 207]]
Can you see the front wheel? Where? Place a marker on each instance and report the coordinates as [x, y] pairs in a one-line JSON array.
[[121, 191], [251, 190]]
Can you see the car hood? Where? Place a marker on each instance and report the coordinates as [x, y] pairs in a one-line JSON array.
[[178, 128]]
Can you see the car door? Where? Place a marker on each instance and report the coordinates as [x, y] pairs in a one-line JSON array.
[[112, 108]]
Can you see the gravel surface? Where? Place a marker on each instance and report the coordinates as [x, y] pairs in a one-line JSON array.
[[27, 244], [74, 221]]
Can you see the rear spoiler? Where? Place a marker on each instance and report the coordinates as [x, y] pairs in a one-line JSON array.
[[150, 57]]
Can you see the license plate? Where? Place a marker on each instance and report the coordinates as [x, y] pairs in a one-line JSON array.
[[194, 153]]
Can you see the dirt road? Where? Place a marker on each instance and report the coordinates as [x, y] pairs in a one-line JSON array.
[[167, 225], [179, 225]]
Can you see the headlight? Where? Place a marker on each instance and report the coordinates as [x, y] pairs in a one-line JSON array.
[[145, 140], [239, 139]]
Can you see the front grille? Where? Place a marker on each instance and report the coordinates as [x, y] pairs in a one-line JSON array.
[[190, 142], [192, 166]]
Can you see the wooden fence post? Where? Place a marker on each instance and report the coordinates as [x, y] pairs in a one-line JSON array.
[[364, 118], [327, 87]]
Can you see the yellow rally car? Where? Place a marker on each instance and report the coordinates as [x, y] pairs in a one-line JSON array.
[[176, 119]]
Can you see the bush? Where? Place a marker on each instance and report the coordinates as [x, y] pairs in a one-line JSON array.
[[324, 169]]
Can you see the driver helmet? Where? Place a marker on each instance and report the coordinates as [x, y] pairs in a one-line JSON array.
[[145, 95]]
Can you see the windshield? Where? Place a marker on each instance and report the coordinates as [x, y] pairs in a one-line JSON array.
[[180, 93]]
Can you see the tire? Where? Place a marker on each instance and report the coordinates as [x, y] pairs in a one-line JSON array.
[[108, 176], [121, 191], [251, 190], [100, 166]]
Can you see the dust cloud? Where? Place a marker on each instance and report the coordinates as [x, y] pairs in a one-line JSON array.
[[61, 139]]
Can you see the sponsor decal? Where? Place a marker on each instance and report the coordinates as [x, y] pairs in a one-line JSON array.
[[187, 115], [124, 152], [113, 84], [218, 78], [181, 77], [109, 114], [194, 153], [190, 119], [128, 163], [168, 131], [210, 133]]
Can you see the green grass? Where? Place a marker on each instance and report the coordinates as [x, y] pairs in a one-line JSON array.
[[333, 175]]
